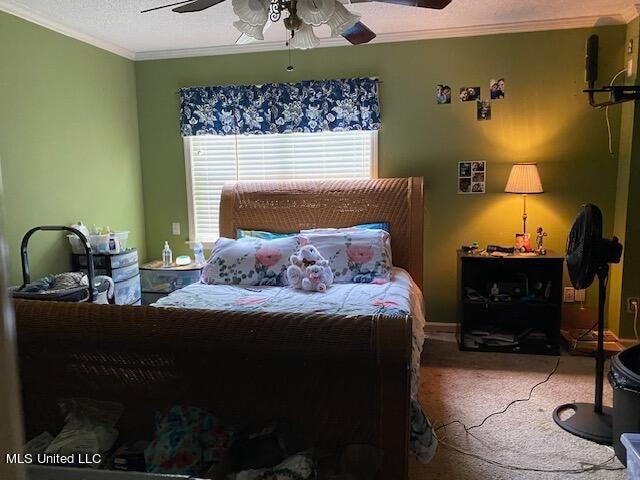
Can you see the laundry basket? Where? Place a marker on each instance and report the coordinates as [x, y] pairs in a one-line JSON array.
[[85, 293]]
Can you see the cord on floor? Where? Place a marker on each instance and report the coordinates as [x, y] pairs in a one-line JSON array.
[[590, 467]]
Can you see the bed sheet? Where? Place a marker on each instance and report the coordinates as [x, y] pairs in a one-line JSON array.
[[401, 296]]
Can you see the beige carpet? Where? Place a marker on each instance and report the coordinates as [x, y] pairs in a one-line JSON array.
[[467, 386]]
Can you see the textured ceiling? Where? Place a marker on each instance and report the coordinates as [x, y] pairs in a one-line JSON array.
[[119, 23]]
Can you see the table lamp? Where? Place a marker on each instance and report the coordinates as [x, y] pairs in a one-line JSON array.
[[524, 179]]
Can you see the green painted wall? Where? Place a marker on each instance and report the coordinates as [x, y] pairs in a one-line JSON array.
[[69, 145], [628, 128], [544, 118], [625, 278]]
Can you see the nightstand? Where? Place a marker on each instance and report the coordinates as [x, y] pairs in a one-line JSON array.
[[510, 304], [158, 281]]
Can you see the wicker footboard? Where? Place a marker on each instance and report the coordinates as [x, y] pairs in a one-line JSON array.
[[336, 380]]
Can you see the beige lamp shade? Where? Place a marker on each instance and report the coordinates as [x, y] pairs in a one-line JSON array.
[[524, 178]]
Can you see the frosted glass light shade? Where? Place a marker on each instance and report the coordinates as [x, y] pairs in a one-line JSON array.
[[304, 38], [253, 31], [524, 178], [341, 20], [315, 12], [253, 12]]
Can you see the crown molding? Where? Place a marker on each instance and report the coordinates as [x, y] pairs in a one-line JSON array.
[[471, 31], [37, 18], [33, 16], [631, 12]]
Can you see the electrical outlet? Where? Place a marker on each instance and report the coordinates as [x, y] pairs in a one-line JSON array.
[[630, 304], [175, 228], [580, 295], [569, 294], [630, 67]]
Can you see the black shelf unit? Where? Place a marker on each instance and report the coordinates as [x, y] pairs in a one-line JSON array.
[[529, 309]]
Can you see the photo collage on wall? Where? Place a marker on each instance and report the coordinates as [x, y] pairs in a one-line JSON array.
[[472, 177], [473, 94]]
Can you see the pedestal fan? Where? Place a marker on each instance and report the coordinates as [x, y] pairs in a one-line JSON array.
[[588, 255]]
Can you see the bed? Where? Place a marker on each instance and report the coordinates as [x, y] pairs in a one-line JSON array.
[[338, 377]]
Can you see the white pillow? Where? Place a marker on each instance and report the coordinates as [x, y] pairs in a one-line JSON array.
[[355, 255], [250, 261]]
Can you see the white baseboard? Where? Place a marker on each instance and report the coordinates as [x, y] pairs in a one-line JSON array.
[[440, 327]]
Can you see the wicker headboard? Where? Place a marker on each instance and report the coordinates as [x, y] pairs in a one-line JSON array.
[[290, 206]]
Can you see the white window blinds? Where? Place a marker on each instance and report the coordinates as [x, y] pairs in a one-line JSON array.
[[212, 160]]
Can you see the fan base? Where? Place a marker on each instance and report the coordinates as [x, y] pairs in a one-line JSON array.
[[586, 423]]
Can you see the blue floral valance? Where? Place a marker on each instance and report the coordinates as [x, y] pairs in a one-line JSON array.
[[309, 106]]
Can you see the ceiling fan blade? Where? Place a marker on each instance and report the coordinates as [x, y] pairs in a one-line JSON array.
[[358, 34], [165, 6], [435, 4], [197, 6]]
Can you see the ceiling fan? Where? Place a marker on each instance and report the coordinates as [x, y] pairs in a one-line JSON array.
[[256, 16]]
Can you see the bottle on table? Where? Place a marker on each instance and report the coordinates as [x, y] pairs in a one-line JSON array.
[[167, 255]]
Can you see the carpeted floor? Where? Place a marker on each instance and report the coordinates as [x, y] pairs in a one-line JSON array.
[[467, 386]]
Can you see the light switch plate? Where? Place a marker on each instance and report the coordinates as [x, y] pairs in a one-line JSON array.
[[569, 295], [580, 295], [175, 228]]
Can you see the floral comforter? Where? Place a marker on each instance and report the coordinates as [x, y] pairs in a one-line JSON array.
[[401, 296]]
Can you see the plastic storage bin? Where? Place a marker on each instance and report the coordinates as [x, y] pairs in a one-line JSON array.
[[631, 441], [127, 292], [123, 259], [155, 279], [118, 274], [109, 243]]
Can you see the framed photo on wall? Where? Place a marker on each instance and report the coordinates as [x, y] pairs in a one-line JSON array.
[[472, 177]]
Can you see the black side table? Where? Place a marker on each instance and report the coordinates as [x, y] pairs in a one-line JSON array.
[[510, 304]]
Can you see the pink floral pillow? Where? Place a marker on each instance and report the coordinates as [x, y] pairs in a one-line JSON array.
[[355, 256], [250, 261]]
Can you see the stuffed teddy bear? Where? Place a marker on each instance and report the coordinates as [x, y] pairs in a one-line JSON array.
[[308, 256], [317, 278]]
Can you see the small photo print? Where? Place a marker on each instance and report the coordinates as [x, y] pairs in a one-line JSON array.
[[469, 94], [523, 242], [484, 110], [496, 87], [477, 167], [477, 187], [443, 94], [464, 185], [478, 177], [464, 169]]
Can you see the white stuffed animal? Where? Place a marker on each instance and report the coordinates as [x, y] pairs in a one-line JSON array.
[[317, 278], [309, 256]]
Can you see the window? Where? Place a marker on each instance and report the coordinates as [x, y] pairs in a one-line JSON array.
[[213, 160]]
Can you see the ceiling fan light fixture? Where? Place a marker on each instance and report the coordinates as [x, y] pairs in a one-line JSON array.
[[304, 38], [341, 20], [253, 31], [253, 12], [315, 12]]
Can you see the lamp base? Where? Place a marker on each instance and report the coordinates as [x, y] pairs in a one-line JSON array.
[[586, 422]]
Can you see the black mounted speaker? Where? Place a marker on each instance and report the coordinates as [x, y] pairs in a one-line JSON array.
[[591, 60]]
